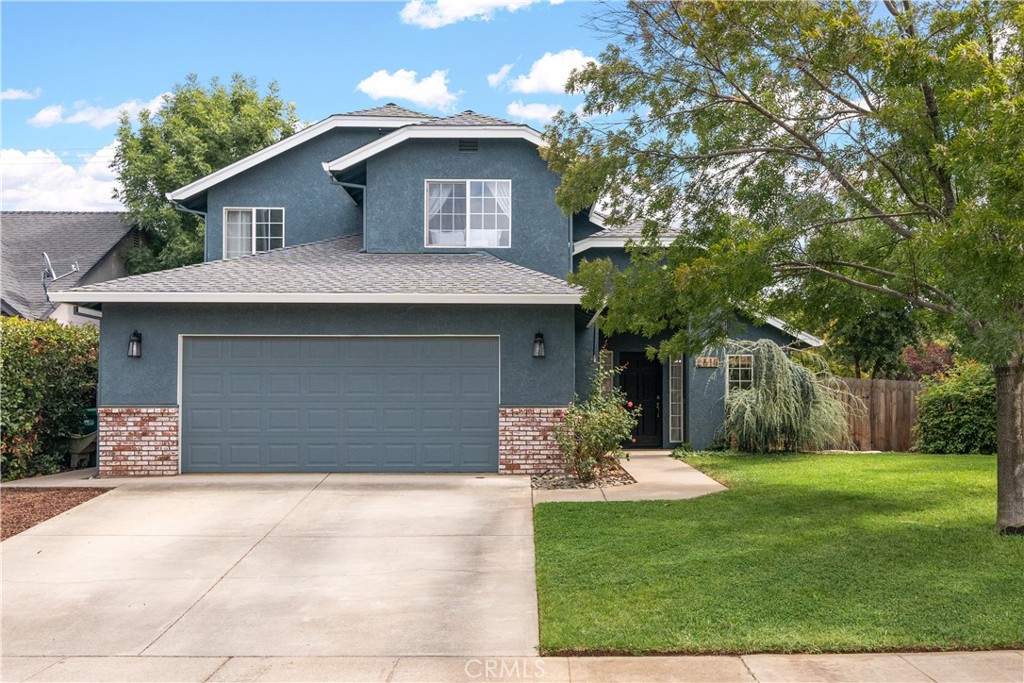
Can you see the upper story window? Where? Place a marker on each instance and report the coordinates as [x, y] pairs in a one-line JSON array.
[[740, 372], [248, 231], [469, 213]]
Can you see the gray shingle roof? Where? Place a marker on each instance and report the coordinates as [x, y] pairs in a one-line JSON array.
[[339, 267], [390, 109], [66, 236], [631, 231], [471, 118]]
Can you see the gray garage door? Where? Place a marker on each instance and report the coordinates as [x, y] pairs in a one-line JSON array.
[[328, 404]]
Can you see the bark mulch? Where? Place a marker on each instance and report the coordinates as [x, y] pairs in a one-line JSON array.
[[23, 508]]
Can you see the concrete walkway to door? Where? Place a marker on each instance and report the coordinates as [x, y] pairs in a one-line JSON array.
[[278, 565], [658, 477]]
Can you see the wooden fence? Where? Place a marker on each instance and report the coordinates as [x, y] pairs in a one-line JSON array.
[[885, 415]]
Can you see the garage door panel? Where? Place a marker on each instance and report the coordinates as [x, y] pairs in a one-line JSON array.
[[339, 404]]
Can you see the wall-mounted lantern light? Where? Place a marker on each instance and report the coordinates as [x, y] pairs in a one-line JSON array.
[[135, 345], [538, 345]]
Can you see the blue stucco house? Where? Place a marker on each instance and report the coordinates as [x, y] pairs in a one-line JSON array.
[[382, 291]]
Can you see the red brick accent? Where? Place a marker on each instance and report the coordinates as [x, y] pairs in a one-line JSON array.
[[138, 441], [526, 444]]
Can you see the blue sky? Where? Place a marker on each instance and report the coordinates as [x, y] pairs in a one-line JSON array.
[[68, 68]]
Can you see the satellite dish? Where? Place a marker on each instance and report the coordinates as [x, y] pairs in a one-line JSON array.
[[48, 271], [49, 274]]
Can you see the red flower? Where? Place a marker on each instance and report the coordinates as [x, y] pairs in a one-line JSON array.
[[633, 439], [629, 404]]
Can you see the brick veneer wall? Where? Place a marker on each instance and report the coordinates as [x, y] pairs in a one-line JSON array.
[[526, 444], [137, 441]]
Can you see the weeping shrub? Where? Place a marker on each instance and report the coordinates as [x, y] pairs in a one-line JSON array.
[[788, 408]]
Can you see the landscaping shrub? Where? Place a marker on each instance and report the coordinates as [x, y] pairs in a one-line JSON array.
[[788, 407], [592, 431], [956, 411], [47, 377]]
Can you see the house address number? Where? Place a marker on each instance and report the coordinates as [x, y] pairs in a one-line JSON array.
[[706, 361]]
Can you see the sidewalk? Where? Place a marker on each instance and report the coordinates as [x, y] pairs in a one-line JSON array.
[[658, 477], [939, 667]]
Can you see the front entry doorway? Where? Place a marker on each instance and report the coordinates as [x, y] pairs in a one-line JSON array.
[[641, 381]]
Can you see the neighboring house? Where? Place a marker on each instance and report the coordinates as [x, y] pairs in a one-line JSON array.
[[383, 291], [92, 240]]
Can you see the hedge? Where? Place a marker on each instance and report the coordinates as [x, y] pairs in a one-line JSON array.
[[48, 376], [956, 411]]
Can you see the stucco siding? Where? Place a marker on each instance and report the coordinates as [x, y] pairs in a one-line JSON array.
[[153, 379], [295, 180], [395, 199]]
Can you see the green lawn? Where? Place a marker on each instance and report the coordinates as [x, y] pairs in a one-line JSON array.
[[808, 553]]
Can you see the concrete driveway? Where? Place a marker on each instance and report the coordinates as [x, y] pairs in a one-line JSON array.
[[272, 565]]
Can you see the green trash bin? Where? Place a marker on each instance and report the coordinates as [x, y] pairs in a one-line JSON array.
[[89, 421]]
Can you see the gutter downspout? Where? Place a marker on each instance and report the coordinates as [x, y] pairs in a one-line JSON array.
[[201, 214]]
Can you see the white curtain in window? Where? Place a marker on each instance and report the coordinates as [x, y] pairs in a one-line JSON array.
[[239, 234], [438, 193], [503, 194]]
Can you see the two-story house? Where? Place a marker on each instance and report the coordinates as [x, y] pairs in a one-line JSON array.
[[383, 291]]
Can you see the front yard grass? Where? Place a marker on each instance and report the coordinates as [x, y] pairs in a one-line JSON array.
[[804, 553]]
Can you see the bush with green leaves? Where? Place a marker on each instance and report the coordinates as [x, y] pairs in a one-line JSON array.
[[593, 430], [956, 411], [48, 376], [788, 406]]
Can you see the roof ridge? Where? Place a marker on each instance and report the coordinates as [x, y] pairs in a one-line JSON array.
[[63, 212]]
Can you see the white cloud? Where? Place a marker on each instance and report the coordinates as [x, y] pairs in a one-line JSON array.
[[430, 91], [550, 72], [97, 117], [498, 77], [40, 180], [444, 12], [16, 94], [534, 111], [47, 116]]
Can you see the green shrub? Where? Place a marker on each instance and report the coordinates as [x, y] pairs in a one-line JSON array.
[[592, 431], [956, 411], [47, 376], [788, 407]]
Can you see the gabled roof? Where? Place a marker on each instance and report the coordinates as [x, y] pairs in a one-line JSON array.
[[337, 271], [390, 110], [471, 118], [67, 237], [388, 116], [468, 124]]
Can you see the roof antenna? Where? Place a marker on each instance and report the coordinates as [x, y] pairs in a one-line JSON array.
[[50, 275]]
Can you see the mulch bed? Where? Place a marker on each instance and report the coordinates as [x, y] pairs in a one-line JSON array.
[[23, 508], [610, 474]]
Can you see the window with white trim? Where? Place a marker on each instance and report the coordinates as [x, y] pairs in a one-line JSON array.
[[739, 371], [252, 230], [469, 213], [675, 400]]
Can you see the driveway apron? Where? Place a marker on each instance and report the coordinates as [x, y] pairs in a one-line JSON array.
[[279, 565]]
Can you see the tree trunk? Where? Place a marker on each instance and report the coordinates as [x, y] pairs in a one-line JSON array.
[[1010, 440]]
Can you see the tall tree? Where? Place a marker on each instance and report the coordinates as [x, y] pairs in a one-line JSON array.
[[877, 146], [197, 130]]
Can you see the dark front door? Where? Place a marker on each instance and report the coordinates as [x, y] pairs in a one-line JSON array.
[[641, 381]]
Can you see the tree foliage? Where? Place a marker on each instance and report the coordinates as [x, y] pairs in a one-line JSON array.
[[802, 142], [876, 146], [197, 130], [47, 378]]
